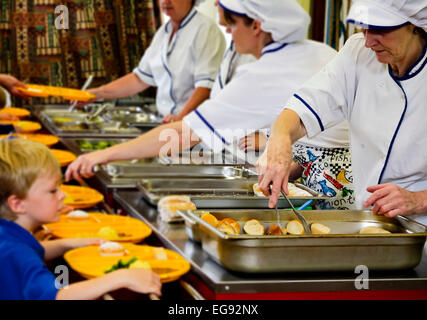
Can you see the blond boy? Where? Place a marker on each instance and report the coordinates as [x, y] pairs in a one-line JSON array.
[[29, 197]]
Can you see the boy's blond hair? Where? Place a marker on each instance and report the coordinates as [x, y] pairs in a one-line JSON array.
[[22, 161]]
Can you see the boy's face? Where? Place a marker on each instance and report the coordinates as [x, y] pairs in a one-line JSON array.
[[44, 200]]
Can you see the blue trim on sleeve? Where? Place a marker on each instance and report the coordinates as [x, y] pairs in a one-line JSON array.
[[312, 110], [145, 73], [205, 79], [398, 126], [210, 127], [372, 26]]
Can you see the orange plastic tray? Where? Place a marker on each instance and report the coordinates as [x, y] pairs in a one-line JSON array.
[[64, 157], [24, 126], [81, 197], [19, 112], [45, 139], [35, 90], [129, 229], [90, 264]]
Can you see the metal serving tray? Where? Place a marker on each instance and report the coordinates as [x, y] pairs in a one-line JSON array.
[[217, 193], [77, 145], [342, 250], [52, 117]]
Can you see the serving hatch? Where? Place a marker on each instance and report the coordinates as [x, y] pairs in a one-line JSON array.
[[342, 250]]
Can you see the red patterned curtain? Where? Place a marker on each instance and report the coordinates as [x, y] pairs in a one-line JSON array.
[[106, 38]]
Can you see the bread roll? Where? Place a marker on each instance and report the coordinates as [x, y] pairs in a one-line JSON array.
[[318, 228], [295, 227], [78, 215], [229, 226], [168, 206], [373, 230], [210, 218], [275, 230], [254, 228], [109, 249]]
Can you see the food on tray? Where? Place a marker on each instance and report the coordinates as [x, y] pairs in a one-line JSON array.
[[318, 228], [229, 226], [62, 119], [121, 265], [110, 249], [81, 197], [254, 228], [373, 230], [210, 218], [138, 264], [257, 190], [168, 206], [294, 191], [107, 232], [78, 215], [275, 230], [295, 227], [87, 145], [160, 254]]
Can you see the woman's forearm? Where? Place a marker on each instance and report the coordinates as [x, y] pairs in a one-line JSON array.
[[199, 95], [125, 86]]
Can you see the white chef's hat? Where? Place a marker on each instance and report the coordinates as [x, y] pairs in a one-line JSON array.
[[197, 2], [388, 14], [286, 20]]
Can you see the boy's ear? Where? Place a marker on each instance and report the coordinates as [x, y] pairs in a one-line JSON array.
[[16, 204]]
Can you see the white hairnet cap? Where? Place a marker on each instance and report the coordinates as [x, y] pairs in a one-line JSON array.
[[198, 2], [388, 14], [286, 20]]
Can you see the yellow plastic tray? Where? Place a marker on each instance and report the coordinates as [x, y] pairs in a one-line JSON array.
[[35, 90], [19, 112], [64, 157], [129, 229], [90, 264], [45, 139], [24, 126], [81, 197]]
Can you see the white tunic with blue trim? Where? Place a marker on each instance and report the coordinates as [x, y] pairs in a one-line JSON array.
[[231, 61], [387, 116], [189, 60], [258, 92]]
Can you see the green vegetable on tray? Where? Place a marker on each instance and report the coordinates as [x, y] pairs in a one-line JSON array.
[[122, 265], [86, 145]]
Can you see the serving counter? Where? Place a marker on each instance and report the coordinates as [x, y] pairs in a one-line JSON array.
[[213, 281]]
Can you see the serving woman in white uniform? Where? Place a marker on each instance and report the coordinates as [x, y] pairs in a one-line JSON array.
[[377, 82], [182, 61], [274, 32], [231, 61]]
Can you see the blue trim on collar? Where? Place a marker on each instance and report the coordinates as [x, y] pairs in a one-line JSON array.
[[312, 110], [232, 11], [397, 129], [210, 127], [279, 47], [372, 26], [408, 75], [187, 18]]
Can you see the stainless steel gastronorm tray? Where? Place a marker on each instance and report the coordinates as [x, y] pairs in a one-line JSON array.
[[217, 193], [343, 249], [77, 145], [52, 117]]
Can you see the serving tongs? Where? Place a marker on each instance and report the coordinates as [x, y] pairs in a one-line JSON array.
[[97, 112], [298, 215]]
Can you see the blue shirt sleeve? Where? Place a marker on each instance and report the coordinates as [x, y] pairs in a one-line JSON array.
[[36, 280]]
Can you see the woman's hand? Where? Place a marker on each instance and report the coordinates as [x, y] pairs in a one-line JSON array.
[[391, 200], [12, 84], [256, 141], [83, 166], [170, 118], [273, 168]]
